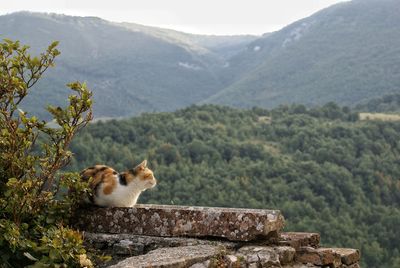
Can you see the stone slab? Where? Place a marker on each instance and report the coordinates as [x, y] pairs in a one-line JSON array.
[[266, 256], [319, 256], [260, 256], [235, 224], [286, 254], [177, 257], [348, 255], [128, 244], [299, 239]]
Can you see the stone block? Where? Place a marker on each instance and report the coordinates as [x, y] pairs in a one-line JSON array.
[[128, 247], [262, 256], [319, 256], [298, 239], [176, 221], [232, 261], [286, 254], [177, 257], [205, 264], [147, 243], [348, 255]]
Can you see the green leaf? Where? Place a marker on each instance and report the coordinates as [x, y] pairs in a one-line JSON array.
[[54, 255], [29, 256]]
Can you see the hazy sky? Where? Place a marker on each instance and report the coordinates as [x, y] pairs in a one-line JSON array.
[[195, 16]]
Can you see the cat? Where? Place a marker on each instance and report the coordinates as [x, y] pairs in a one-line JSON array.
[[113, 189]]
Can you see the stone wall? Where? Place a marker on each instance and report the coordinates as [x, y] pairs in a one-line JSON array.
[[197, 237]]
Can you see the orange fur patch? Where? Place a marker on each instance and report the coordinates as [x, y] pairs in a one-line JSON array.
[[109, 182], [147, 175], [101, 174]]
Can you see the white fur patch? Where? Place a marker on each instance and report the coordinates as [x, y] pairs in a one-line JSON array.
[[122, 195]]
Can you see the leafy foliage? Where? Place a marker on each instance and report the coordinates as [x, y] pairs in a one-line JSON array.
[[326, 170], [33, 218]]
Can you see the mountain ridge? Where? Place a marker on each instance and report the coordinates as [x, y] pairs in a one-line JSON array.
[[304, 61], [129, 72], [347, 53]]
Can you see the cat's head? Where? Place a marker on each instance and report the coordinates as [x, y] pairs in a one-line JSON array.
[[143, 176]]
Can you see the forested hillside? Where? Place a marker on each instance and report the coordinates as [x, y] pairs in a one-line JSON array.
[[386, 104], [326, 170]]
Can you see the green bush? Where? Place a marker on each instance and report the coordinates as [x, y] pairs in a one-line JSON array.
[[34, 209]]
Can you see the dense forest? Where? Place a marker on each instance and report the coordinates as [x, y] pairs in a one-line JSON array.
[[324, 169]]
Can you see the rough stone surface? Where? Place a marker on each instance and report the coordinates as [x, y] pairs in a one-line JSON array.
[[127, 247], [166, 221], [190, 237], [232, 260], [262, 256], [205, 264], [178, 257], [286, 254], [301, 265], [143, 244], [230, 254], [354, 265], [348, 255], [298, 239], [319, 256]]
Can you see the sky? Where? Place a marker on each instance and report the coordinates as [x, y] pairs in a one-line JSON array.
[[220, 17]]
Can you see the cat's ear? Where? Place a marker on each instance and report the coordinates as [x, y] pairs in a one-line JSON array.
[[142, 165]]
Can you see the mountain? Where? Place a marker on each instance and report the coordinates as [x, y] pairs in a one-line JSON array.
[[130, 68], [223, 46], [347, 53]]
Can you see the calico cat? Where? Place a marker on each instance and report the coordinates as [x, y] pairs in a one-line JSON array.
[[113, 189]]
